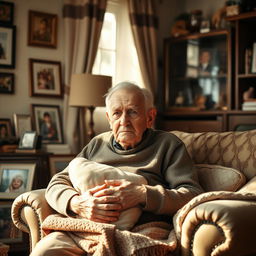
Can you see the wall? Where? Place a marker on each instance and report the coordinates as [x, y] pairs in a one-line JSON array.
[[20, 101]]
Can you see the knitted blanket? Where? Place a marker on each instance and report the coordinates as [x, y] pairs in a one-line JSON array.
[[97, 239], [151, 239]]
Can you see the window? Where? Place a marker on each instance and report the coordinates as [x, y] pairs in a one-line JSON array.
[[117, 55], [105, 61]]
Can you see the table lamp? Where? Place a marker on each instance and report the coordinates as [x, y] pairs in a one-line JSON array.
[[87, 91]]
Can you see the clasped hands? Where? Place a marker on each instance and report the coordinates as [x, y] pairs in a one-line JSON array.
[[104, 203]]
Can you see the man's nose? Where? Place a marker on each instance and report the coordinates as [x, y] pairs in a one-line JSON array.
[[124, 120]]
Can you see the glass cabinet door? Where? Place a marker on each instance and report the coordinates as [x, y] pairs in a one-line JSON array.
[[196, 72]]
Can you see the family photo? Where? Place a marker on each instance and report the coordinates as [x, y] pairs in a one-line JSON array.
[[45, 78], [15, 179], [47, 123]]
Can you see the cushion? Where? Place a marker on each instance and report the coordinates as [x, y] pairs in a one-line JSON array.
[[85, 174], [217, 177]]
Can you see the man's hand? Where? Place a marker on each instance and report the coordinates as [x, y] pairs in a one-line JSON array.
[[105, 209], [130, 194]]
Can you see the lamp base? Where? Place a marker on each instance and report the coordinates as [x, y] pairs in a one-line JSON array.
[[91, 132]]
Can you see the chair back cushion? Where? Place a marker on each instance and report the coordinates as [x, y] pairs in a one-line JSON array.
[[233, 149]]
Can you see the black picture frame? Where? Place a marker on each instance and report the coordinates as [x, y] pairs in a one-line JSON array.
[[7, 46], [6, 83], [6, 13]]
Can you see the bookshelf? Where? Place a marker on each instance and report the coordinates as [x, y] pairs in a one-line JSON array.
[[234, 76]]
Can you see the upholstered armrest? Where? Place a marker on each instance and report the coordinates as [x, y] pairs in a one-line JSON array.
[[220, 227], [28, 212]]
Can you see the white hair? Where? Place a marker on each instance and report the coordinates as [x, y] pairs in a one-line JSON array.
[[148, 97]]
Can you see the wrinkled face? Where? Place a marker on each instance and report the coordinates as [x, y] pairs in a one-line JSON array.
[[128, 117]]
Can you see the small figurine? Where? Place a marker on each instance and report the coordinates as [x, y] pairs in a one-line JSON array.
[[200, 101], [180, 27], [179, 101], [249, 95]]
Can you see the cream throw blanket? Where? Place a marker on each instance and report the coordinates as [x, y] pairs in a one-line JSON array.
[[155, 238], [86, 174]]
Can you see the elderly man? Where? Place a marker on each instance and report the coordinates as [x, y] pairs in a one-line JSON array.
[[133, 146]]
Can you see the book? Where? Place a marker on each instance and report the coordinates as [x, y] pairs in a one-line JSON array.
[[248, 60]]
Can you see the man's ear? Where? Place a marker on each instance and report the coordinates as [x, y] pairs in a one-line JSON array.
[[108, 120], [151, 116]]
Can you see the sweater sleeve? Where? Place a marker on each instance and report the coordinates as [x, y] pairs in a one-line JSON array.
[[183, 184], [60, 191]]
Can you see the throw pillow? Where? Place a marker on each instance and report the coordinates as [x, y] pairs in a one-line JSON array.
[[85, 174], [217, 177]]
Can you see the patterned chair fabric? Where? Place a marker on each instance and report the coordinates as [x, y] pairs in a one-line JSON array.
[[231, 149]]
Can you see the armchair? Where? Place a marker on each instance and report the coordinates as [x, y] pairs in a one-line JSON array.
[[214, 227]]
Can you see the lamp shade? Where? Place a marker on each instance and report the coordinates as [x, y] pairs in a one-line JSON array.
[[88, 90]]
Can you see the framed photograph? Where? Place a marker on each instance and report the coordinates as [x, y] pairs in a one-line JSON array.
[[28, 140], [22, 124], [8, 232], [47, 123], [42, 29], [6, 13], [6, 83], [254, 58], [208, 62], [7, 46], [45, 78], [5, 129], [15, 179], [59, 162]]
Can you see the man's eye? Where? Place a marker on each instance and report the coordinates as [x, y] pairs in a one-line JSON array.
[[133, 113], [116, 114]]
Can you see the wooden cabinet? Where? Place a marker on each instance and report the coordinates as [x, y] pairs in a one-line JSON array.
[[244, 37], [205, 77], [242, 121], [197, 72]]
